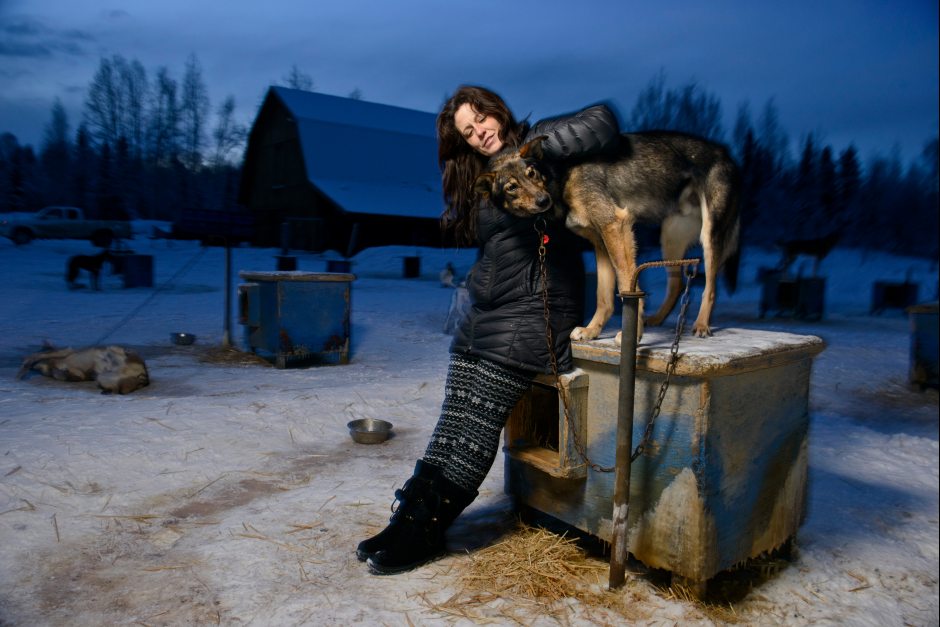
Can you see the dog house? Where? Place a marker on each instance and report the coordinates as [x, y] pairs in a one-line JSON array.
[[724, 475], [924, 370], [297, 317], [137, 270], [798, 297], [892, 295]]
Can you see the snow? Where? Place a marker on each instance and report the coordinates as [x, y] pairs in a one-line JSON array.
[[231, 493]]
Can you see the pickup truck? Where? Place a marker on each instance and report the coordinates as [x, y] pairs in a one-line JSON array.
[[64, 223]]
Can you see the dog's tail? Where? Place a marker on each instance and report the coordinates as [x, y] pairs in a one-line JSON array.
[[723, 189], [31, 360], [28, 363]]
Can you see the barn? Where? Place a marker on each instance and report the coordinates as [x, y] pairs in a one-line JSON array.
[[333, 173]]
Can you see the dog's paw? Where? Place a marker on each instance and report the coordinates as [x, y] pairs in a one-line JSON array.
[[619, 337], [701, 330], [583, 334]]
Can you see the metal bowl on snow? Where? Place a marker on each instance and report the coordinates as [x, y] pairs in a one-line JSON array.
[[369, 430], [182, 339]]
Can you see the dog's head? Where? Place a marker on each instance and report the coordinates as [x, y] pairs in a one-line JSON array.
[[518, 181]]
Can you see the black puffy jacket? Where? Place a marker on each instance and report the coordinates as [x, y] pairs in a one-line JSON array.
[[506, 322]]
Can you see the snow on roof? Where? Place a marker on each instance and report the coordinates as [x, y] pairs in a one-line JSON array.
[[383, 198], [351, 112], [367, 157]]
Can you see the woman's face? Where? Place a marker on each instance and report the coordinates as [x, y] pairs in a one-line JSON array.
[[481, 131]]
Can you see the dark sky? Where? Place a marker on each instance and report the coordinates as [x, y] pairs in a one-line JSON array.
[[851, 71]]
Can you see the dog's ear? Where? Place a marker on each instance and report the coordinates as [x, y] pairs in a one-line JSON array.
[[533, 149], [483, 186]]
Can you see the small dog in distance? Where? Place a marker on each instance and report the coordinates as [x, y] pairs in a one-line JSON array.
[[92, 264], [817, 248]]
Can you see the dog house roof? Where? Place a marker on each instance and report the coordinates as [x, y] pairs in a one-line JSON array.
[[367, 157]]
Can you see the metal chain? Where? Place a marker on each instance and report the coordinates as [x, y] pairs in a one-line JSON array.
[[543, 277], [670, 368]]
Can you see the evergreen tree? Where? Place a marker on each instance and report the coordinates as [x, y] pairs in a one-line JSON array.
[[55, 156], [84, 160], [8, 147], [104, 184], [773, 139], [743, 132], [688, 109], [826, 183], [804, 221], [848, 179]]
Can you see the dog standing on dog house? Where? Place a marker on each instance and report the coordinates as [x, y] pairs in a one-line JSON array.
[[687, 185]]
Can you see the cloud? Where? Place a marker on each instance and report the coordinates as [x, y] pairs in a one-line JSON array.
[[29, 38]]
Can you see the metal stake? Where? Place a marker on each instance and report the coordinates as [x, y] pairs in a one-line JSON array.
[[618, 549], [628, 343]]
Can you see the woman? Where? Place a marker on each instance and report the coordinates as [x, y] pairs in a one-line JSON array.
[[501, 345]]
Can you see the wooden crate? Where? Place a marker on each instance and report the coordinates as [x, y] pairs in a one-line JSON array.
[[724, 476]]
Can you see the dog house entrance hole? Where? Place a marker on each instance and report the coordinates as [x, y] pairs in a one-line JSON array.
[[539, 434], [535, 419]]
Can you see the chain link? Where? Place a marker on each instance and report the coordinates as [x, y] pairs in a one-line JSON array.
[[670, 367]]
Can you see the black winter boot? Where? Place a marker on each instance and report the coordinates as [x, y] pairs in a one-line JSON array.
[[410, 496], [421, 537]]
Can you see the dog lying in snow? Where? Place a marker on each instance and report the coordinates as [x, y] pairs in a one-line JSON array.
[[116, 369]]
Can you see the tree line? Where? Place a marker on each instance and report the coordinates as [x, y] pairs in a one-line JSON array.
[[153, 147], [144, 148], [882, 205]]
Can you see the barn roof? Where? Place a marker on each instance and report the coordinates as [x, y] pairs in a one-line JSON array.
[[367, 157]]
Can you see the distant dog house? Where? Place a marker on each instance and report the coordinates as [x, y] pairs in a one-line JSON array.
[[344, 174]]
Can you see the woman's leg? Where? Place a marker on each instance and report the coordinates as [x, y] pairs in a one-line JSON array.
[[476, 407], [418, 489], [461, 374], [478, 397]]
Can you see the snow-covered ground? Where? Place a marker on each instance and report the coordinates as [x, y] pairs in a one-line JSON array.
[[230, 493]]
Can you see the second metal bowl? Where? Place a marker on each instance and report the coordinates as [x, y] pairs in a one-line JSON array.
[[369, 430], [182, 339]]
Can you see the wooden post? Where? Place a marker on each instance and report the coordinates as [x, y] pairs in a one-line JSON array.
[[621, 501], [227, 321]]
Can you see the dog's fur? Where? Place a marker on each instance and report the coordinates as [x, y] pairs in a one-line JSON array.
[[687, 185], [818, 248], [116, 369], [91, 264]]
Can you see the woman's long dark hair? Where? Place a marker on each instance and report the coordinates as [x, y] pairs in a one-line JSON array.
[[460, 164]]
